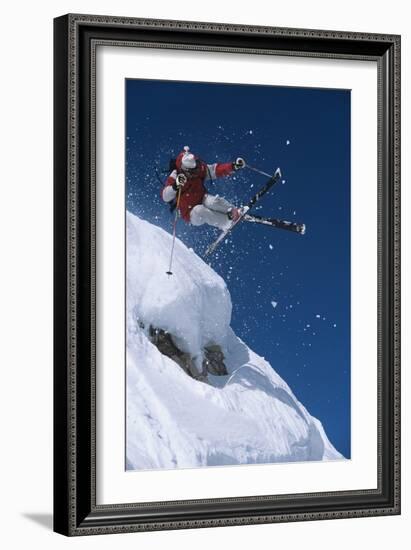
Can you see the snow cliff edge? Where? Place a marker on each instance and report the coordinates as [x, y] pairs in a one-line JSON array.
[[246, 415]]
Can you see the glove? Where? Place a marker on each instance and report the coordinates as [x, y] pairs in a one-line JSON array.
[[181, 180], [239, 163]]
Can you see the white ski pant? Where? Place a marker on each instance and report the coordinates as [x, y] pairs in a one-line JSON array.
[[212, 211]]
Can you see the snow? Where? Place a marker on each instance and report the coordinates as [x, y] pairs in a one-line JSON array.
[[195, 314], [274, 304], [248, 416]]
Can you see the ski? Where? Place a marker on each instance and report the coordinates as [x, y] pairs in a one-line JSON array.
[[274, 222], [270, 183], [224, 234]]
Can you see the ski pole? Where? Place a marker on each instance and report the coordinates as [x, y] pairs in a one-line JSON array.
[[169, 272], [259, 171]]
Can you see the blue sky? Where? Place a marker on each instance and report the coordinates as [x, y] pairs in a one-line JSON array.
[[291, 293]]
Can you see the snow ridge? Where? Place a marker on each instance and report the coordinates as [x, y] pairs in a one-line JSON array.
[[248, 416]]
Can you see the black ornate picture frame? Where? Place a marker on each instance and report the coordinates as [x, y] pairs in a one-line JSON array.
[[76, 38]]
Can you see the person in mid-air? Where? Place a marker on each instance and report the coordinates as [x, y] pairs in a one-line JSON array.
[[185, 185]]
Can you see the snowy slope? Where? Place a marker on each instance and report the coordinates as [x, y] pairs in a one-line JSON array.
[[249, 415]]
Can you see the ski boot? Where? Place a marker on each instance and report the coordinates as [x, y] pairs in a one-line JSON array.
[[234, 214]]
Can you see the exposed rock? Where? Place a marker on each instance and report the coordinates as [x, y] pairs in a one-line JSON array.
[[213, 361]]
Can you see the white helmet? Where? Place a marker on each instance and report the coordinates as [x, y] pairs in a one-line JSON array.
[[188, 161]]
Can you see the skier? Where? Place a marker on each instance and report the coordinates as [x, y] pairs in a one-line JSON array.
[[185, 185]]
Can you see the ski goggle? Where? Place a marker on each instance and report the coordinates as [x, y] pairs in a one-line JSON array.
[[193, 171]]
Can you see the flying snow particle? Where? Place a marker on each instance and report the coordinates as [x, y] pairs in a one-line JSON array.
[[318, 316], [288, 142], [334, 325], [250, 132], [274, 304], [270, 246]]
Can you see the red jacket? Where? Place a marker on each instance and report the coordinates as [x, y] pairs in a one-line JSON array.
[[194, 190]]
